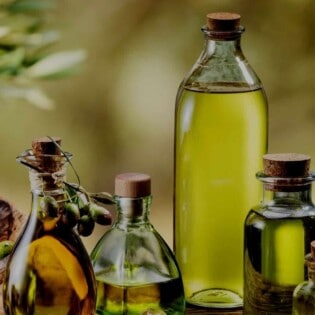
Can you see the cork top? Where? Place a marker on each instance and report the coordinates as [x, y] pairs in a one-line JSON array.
[[44, 146], [223, 21], [286, 165], [132, 185]]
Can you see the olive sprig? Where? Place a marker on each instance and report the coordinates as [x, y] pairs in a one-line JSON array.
[[81, 209]]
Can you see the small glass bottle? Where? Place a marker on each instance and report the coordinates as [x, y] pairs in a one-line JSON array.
[[136, 272], [221, 112], [304, 293], [277, 235], [49, 271]]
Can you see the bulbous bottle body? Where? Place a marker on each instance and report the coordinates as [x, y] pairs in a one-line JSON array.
[[135, 270], [304, 298], [220, 137], [49, 271]]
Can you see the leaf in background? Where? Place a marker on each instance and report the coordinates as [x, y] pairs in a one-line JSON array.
[[11, 60], [31, 5], [102, 197], [13, 94], [56, 65]]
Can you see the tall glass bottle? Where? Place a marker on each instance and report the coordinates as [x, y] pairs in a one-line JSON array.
[[136, 272], [220, 137], [277, 235], [49, 272], [304, 293]]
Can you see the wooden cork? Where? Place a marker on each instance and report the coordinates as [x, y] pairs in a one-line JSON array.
[[286, 165], [47, 154], [223, 21], [44, 145], [132, 185]]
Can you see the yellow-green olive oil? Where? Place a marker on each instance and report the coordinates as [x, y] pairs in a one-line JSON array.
[[219, 142]]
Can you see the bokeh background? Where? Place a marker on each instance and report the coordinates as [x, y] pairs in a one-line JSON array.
[[117, 114]]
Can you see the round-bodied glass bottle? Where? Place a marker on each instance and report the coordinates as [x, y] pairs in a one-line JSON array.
[[136, 272], [304, 293]]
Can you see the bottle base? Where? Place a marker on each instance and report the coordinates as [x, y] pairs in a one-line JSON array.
[[216, 298]]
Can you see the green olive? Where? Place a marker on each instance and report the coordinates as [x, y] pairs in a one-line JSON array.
[[6, 248], [99, 214], [49, 207], [85, 225], [71, 214]]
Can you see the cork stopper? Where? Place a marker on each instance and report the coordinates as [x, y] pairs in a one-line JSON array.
[[223, 21], [48, 155], [132, 185], [44, 146], [286, 165]]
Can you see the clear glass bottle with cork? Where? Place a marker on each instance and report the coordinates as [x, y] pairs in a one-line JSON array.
[[49, 271], [135, 270], [220, 137], [304, 293], [277, 235]]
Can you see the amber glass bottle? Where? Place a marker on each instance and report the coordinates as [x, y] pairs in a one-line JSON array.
[[49, 272], [278, 232], [220, 137]]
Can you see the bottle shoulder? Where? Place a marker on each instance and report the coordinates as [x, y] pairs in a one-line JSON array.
[[133, 254]]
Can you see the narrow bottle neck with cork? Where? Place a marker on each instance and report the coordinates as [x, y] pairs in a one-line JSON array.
[[287, 181], [47, 166], [133, 199], [223, 33], [222, 67]]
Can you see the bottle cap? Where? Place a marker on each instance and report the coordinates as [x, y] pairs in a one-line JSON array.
[[223, 21], [132, 185], [45, 146], [286, 165]]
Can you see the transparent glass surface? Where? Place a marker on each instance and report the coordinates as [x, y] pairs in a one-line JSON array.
[[220, 137], [135, 270]]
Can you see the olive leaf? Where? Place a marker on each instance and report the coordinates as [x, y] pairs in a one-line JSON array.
[[25, 41]]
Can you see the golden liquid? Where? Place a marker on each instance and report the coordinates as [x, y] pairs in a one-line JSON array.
[[220, 140], [154, 298], [49, 279]]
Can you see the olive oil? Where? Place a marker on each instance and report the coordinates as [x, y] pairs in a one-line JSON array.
[[274, 261], [152, 298], [220, 139]]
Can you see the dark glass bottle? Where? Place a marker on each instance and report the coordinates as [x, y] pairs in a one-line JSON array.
[[221, 112], [304, 293], [277, 235], [135, 270], [49, 271]]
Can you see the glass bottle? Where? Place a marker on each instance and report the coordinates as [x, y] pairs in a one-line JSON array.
[[277, 235], [221, 112], [49, 272], [136, 272], [304, 293]]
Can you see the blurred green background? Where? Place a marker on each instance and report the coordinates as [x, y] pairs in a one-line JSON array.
[[117, 114]]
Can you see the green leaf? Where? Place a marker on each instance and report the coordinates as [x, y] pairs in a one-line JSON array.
[[11, 60], [31, 5], [56, 65], [32, 95]]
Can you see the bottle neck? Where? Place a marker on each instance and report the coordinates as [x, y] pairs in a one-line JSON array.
[[293, 192], [47, 183], [222, 67], [132, 212]]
